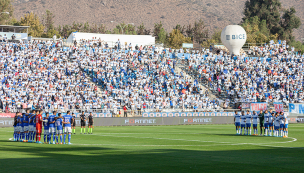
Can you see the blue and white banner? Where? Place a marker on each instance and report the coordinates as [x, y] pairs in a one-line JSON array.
[[186, 114], [295, 108]]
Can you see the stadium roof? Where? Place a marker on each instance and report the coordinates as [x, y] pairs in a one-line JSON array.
[[11, 28]]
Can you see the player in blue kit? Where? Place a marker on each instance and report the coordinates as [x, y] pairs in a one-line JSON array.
[[52, 131], [243, 120], [59, 128], [46, 128], [26, 126], [67, 121], [237, 122], [266, 115], [15, 126], [248, 122], [18, 127], [21, 129], [255, 122]]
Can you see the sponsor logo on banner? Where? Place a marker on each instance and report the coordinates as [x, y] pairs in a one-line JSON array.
[[145, 115], [140, 121], [258, 106], [151, 114], [186, 114], [6, 122], [296, 120], [108, 115], [197, 120], [96, 115], [230, 114], [278, 106], [7, 115]]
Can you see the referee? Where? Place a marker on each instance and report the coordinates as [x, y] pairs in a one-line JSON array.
[[90, 124], [82, 122], [261, 117], [73, 124]]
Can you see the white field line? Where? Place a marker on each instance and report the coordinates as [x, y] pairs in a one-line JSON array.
[[293, 140]]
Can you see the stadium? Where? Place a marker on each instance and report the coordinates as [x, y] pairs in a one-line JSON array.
[[204, 96]]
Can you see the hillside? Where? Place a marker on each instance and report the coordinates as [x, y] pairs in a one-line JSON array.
[[216, 13]]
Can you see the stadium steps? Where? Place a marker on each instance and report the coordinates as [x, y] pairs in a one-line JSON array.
[[179, 69]]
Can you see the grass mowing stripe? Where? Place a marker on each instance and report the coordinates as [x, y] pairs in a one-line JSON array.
[[157, 149]]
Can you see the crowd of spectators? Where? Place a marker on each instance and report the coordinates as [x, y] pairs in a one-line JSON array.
[[45, 75], [90, 75], [269, 73]]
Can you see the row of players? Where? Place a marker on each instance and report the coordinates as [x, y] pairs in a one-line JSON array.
[[28, 125], [272, 123]]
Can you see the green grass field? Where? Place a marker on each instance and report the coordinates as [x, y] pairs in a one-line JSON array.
[[190, 148]]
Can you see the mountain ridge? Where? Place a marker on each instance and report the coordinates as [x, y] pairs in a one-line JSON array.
[[215, 13]]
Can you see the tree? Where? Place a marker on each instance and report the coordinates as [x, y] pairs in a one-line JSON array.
[[48, 20], [182, 29], [276, 22], [51, 33], [289, 22], [141, 30], [6, 11], [157, 29], [189, 31], [176, 39], [200, 34], [162, 36], [128, 29], [36, 29]]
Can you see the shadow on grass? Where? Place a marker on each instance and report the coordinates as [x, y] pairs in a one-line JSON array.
[[73, 158]]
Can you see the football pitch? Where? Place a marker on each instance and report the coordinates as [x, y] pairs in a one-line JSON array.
[[186, 148]]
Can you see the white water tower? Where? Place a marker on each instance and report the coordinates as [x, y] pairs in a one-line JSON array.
[[234, 37]]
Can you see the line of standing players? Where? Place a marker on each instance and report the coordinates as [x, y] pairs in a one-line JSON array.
[[28, 126], [271, 123]]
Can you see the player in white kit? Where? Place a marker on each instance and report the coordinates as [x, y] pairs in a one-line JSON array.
[[282, 123], [243, 120], [248, 122], [255, 122], [266, 114], [270, 123], [237, 122], [276, 125], [285, 126]]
